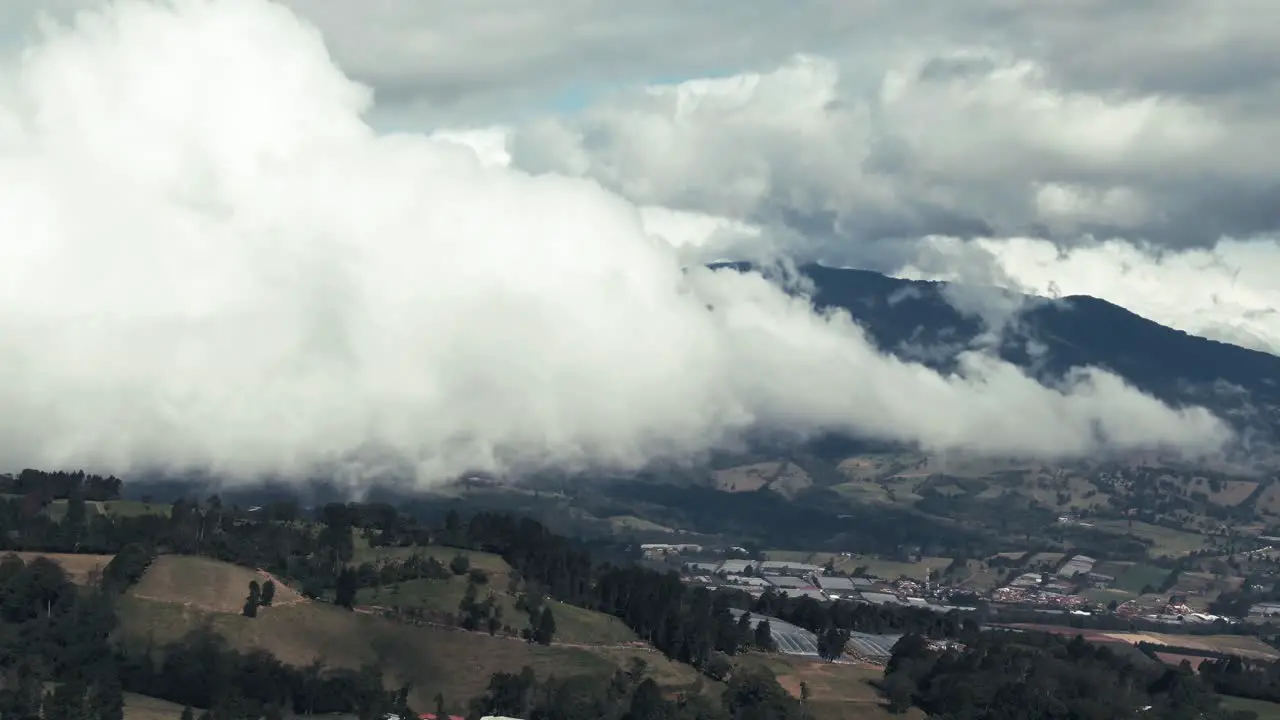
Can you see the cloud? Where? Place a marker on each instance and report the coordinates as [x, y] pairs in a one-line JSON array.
[[444, 62], [1227, 292], [494, 56], [212, 260], [965, 118], [970, 141], [973, 164]]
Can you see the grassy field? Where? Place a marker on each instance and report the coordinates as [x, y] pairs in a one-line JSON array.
[[1132, 577], [80, 569], [57, 509], [1051, 558], [623, 523], [884, 466], [982, 578], [1233, 492], [485, 561], [221, 587], [865, 467], [791, 480], [1202, 587], [892, 569], [1077, 489], [837, 692], [863, 491], [887, 569], [573, 624], [1105, 596], [141, 707], [745, 478], [1269, 500], [204, 583], [1242, 645], [1166, 541], [180, 593], [1265, 710], [455, 663], [133, 508], [1230, 493]]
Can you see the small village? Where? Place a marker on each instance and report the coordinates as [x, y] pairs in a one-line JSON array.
[[1063, 590]]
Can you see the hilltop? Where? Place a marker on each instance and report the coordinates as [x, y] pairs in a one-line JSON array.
[[205, 584], [179, 594]]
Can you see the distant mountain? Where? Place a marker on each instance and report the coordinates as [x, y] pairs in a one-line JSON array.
[[932, 322]]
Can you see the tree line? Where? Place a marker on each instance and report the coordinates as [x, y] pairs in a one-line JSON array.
[[1007, 675], [47, 486], [632, 695]]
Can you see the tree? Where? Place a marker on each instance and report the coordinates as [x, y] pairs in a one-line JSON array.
[[268, 593], [636, 669], [495, 619], [188, 713], [647, 703], [899, 689], [470, 612], [831, 643], [66, 702], [717, 666], [452, 529], [546, 629], [764, 637], [757, 694], [345, 593], [460, 564], [744, 629], [106, 698], [77, 512], [251, 602]]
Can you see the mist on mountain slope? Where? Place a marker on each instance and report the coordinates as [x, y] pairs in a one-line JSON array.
[[211, 261]]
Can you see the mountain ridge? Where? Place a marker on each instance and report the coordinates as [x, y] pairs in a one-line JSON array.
[[932, 322]]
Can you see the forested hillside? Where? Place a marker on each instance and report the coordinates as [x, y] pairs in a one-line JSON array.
[[76, 651]]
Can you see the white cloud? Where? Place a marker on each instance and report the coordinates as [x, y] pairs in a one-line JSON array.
[[1227, 293], [893, 167], [959, 142], [212, 259], [489, 144]]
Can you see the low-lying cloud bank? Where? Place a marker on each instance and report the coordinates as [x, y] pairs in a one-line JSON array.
[[210, 260], [975, 164]]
